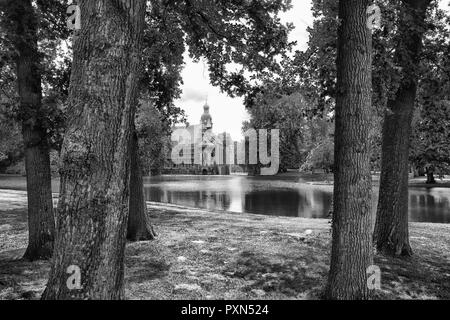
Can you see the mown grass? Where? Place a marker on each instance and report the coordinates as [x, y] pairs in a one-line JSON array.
[[216, 255]]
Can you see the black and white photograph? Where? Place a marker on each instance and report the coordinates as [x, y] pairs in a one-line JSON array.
[[225, 156]]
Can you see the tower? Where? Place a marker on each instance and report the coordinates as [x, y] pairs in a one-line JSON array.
[[207, 136], [206, 119]]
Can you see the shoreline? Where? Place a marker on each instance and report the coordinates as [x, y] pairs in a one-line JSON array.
[[18, 182]]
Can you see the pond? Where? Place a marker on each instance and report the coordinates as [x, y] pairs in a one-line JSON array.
[[278, 196]]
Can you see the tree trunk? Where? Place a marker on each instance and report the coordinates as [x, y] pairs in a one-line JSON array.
[[391, 235], [41, 223], [430, 175], [415, 171], [139, 228], [93, 205], [351, 252]]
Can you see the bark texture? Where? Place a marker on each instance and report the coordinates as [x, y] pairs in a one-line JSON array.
[[93, 205], [351, 253], [139, 227], [41, 223], [391, 235]]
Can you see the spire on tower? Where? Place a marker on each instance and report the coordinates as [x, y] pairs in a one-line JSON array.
[[206, 119]]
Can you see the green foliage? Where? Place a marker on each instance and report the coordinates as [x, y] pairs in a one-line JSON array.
[[299, 134], [247, 33], [430, 147], [315, 68], [154, 140], [321, 157], [11, 146], [53, 65], [313, 71], [431, 133], [163, 61]]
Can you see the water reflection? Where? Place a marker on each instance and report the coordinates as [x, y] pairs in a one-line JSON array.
[[277, 196], [429, 205]]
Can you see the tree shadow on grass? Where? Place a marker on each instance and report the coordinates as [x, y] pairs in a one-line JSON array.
[[144, 262], [13, 229], [20, 279], [424, 276], [289, 275], [16, 218]]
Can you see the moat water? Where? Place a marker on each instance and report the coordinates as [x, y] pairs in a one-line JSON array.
[[278, 196]]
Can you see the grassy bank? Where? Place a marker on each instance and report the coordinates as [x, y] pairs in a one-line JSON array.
[[215, 255]]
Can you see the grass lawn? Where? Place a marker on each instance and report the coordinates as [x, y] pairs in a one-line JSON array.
[[215, 255], [18, 182]]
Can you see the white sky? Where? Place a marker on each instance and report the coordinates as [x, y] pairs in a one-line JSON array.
[[227, 113]]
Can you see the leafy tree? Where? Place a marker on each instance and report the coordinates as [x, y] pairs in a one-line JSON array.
[[154, 138], [316, 66], [301, 132], [163, 61], [322, 156], [159, 85], [391, 235], [11, 146], [400, 63], [139, 227], [11, 143], [275, 111], [246, 33], [430, 147], [147, 153], [29, 33]]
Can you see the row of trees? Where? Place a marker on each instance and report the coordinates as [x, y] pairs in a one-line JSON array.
[[351, 217], [403, 68], [131, 50]]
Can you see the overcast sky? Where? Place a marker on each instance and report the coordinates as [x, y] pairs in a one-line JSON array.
[[227, 113]]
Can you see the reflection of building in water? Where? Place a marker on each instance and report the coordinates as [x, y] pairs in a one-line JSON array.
[[208, 152]]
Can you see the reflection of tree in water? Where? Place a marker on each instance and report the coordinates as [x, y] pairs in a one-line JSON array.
[[200, 199], [215, 200], [429, 208], [291, 203], [284, 203], [306, 201]]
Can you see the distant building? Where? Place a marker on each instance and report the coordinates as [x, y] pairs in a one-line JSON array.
[[204, 144]]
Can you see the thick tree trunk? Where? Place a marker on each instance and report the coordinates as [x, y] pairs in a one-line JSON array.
[[93, 205], [351, 252], [139, 228], [391, 235], [41, 223]]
